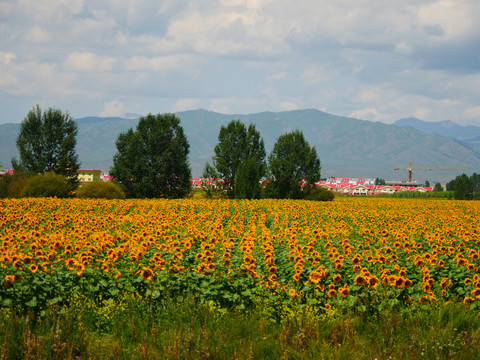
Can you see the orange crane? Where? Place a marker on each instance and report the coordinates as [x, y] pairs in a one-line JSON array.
[[410, 170]]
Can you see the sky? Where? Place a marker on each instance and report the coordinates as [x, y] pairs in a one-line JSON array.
[[378, 60]]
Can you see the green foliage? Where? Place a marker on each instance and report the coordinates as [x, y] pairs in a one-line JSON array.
[[48, 185], [247, 181], [420, 195], [438, 187], [12, 185], [46, 142], [132, 327], [291, 161], [318, 193], [463, 188], [152, 161], [100, 189], [240, 151], [379, 181]]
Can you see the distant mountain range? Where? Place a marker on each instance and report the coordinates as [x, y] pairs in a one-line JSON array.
[[445, 128], [347, 147]]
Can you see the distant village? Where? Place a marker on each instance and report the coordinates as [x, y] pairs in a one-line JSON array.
[[352, 186]]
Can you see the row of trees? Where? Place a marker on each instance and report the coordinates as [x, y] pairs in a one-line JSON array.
[[239, 163], [465, 187], [152, 160]]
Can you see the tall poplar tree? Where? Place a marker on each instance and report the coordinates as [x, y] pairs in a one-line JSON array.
[[239, 151], [152, 161], [46, 143], [291, 161]]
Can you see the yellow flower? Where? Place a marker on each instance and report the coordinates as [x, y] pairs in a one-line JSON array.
[[315, 277]]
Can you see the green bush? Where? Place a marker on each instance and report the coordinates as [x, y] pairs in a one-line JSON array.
[[12, 185], [48, 185], [100, 189], [318, 194]]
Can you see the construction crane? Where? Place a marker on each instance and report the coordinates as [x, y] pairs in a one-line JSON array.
[[410, 170]]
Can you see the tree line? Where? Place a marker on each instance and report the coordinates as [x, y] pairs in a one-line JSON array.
[[152, 161], [465, 187]]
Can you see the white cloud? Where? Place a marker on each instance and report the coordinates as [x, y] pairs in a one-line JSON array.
[[86, 61], [455, 18], [185, 104], [287, 106], [314, 74], [37, 34], [369, 58], [366, 114], [112, 108], [7, 57], [277, 76], [404, 48], [421, 113], [368, 95], [472, 113], [160, 63]]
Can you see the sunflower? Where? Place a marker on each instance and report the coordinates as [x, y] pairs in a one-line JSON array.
[[344, 291], [337, 278], [315, 277], [331, 293], [33, 268], [356, 260], [360, 280], [445, 283], [468, 300], [399, 282], [373, 282], [147, 273], [80, 269], [9, 280], [476, 293], [292, 293]]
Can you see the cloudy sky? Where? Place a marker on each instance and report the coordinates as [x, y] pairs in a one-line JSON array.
[[370, 59]]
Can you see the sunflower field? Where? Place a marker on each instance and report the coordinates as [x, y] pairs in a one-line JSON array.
[[363, 254]]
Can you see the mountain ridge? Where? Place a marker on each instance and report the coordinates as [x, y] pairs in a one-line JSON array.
[[446, 128]]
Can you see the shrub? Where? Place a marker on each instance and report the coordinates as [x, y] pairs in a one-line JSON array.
[[48, 185], [319, 194], [100, 189], [12, 185]]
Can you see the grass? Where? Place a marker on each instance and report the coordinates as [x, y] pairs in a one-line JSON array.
[[134, 328]]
